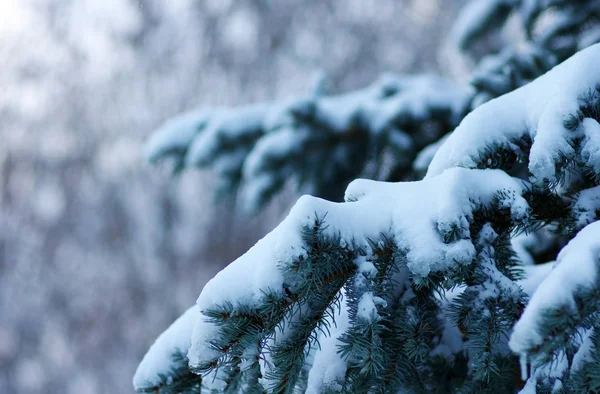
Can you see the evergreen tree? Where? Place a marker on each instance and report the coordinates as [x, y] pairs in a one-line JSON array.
[[386, 131], [443, 285]]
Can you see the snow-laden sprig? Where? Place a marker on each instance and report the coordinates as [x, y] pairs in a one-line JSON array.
[[551, 123], [478, 18], [511, 68], [392, 247], [554, 31], [563, 305], [322, 141], [381, 262], [166, 363], [559, 25]]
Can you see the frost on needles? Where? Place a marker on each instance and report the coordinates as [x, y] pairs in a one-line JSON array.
[[416, 286]]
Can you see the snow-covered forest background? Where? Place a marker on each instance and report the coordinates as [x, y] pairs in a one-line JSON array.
[[99, 251]]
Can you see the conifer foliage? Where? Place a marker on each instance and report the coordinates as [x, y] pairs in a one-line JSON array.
[[442, 285], [386, 131]]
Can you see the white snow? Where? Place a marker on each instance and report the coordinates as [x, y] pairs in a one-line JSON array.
[[279, 146], [537, 110], [268, 140], [158, 359], [176, 134], [520, 244], [415, 215], [366, 267], [576, 269], [222, 130], [583, 354], [475, 16], [418, 96], [534, 276], [328, 366], [591, 144], [555, 370], [426, 155], [413, 211], [530, 385], [586, 205], [367, 306], [451, 341]]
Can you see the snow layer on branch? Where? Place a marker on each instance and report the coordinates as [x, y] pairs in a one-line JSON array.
[[451, 341], [223, 131], [576, 270], [591, 144], [560, 368], [555, 370], [583, 354], [158, 361], [534, 276], [367, 306], [258, 147], [586, 206], [538, 111], [424, 157], [477, 17], [418, 97], [416, 215], [433, 207], [176, 134], [328, 367]]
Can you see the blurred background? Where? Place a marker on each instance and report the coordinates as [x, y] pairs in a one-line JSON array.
[[99, 251]]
